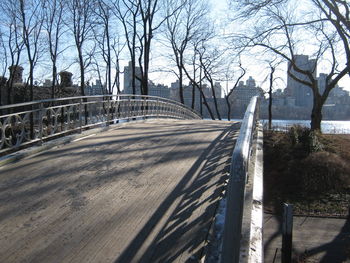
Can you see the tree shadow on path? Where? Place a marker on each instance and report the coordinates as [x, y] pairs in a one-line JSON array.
[[182, 236]]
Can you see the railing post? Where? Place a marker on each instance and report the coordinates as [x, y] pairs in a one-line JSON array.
[[129, 109], [41, 114], [157, 108], [108, 111], [80, 115]]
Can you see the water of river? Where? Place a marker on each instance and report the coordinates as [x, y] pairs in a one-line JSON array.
[[333, 127]]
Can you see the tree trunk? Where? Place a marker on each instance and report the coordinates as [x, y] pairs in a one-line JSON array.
[[181, 92], [82, 84], [31, 84], [133, 74], [82, 73], [200, 87], [228, 108], [193, 97], [205, 102], [215, 101], [54, 73], [109, 63], [270, 97], [316, 114]]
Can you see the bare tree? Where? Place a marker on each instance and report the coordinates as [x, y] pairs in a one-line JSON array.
[[183, 25], [128, 12], [148, 11], [54, 27], [273, 68], [31, 19], [282, 37], [104, 38], [229, 92], [117, 48], [3, 55], [199, 87], [3, 63], [337, 12], [12, 41], [197, 83], [80, 23], [211, 61]]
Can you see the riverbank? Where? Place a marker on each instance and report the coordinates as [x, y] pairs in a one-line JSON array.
[[310, 171]]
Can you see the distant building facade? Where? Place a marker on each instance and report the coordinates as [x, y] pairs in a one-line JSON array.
[[95, 89], [128, 72], [190, 93], [300, 92], [20, 91], [243, 93], [158, 90], [295, 102]]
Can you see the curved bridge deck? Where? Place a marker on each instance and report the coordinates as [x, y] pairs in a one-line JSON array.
[[143, 191]]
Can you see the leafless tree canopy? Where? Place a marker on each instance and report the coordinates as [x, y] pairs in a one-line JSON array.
[[91, 37]]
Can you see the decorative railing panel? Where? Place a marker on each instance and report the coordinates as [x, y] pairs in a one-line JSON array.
[[30, 122]]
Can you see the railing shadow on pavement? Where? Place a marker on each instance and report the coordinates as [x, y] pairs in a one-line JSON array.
[[182, 231], [15, 186]]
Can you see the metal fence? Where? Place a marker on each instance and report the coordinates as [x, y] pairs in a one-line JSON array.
[[237, 183], [26, 123]]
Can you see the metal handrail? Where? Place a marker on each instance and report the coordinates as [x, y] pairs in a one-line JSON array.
[[236, 185], [33, 121]]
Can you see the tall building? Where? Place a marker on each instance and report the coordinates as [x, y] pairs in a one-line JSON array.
[[302, 93], [218, 90], [128, 80], [322, 78]]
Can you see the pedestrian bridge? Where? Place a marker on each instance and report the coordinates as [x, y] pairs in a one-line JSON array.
[[138, 191]]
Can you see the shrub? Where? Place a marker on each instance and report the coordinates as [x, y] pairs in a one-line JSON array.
[[323, 171], [305, 139]]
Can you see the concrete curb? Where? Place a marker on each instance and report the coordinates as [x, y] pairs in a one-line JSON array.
[[256, 248], [251, 248]]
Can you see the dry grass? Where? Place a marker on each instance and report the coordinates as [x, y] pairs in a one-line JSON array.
[[309, 170]]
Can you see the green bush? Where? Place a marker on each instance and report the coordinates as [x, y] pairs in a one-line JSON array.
[[305, 139]]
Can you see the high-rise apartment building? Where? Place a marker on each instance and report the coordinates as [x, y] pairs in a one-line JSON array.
[[301, 92], [218, 90], [128, 80]]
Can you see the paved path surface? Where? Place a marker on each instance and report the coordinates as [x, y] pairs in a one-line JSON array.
[[144, 192], [324, 240]]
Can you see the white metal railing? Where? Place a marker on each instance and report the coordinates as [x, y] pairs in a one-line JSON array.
[[29, 122], [237, 183]]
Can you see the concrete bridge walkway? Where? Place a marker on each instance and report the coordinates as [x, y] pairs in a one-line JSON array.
[[139, 192]]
